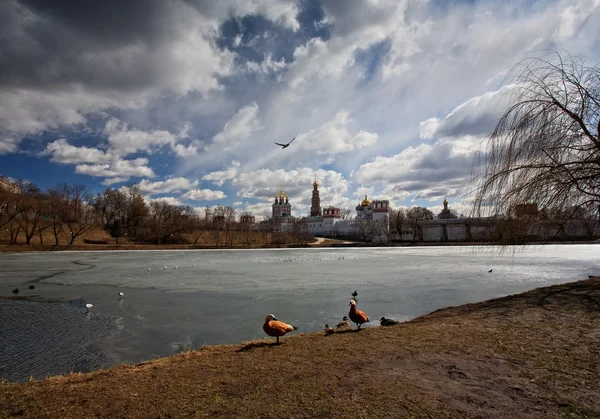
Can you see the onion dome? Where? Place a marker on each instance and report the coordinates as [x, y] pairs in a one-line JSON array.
[[365, 202]]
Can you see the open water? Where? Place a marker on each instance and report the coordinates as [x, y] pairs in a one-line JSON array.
[[222, 296]]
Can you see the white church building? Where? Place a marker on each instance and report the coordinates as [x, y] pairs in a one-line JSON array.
[[370, 216]]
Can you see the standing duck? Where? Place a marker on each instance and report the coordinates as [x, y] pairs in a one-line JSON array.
[[275, 328], [356, 315]]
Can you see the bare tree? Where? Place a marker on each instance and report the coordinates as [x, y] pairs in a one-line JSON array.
[[414, 217], [398, 220], [546, 147], [364, 228], [79, 214], [345, 214]]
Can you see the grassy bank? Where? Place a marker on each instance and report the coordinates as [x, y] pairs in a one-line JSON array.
[[535, 354]]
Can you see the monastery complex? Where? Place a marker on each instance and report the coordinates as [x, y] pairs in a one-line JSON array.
[[371, 223]]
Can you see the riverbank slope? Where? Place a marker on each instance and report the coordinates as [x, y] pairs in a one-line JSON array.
[[535, 354]]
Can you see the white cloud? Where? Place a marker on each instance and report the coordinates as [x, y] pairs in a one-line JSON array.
[[126, 141], [203, 195], [190, 150], [476, 116], [241, 126], [8, 145], [267, 66], [168, 199], [334, 136], [63, 152], [165, 186], [119, 170], [219, 177]]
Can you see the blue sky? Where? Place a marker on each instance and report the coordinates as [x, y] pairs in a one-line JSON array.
[[185, 98]]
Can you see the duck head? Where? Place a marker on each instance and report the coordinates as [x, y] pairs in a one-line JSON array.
[[269, 318]]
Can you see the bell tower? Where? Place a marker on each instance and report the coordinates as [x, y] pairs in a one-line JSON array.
[[315, 207]]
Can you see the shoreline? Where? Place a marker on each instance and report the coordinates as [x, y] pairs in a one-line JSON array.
[[535, 354], [145, 247]]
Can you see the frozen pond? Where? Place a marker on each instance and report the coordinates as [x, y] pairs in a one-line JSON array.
[[222, 296]]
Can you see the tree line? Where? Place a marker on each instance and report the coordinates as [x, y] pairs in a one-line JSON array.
[[71, 211]]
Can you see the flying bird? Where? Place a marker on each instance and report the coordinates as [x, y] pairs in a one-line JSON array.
[[285, 145], [490, 271], [32, 287], [387, 322], [275, 328], [121, 294], [357, 316]]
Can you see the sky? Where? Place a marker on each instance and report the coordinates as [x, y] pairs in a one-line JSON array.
[[185, 98]]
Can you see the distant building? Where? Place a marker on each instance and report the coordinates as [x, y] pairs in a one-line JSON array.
[[281, 217], [446, 214], [328, 221]]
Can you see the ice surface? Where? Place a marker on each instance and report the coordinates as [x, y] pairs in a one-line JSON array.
[[226, 295]]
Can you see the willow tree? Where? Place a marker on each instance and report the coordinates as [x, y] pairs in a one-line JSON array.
[[545, 149]]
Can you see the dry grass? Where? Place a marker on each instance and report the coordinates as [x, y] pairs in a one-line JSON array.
[[535, 354]]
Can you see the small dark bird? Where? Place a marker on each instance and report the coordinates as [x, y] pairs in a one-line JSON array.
[[387, 322], [354, 294], [285, 145], [344, 323], [490, 271], [328, 330], [16, 291], [32, 287]]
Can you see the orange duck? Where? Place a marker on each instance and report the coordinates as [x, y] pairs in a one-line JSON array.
[[357, 316], [275, 328]]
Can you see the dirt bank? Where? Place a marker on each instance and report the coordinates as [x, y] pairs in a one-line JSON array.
[[535, 354]]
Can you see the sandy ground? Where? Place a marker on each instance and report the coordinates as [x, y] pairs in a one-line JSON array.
[[535, 354]]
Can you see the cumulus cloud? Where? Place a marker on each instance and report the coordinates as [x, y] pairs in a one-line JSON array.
[[203, 195], [8, 145], [117, 171], [219, 177], [127, 141], [334, 136], [61, 151], [476, 116], [175, 184], [241, 126]]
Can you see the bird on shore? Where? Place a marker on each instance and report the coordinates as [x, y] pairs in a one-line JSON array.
[[275, 328], [490, 271], [328, 330], [15, 291], [88, 306], [32, 287], [344, 323], [285, 145], [387, 322], [357, 316]]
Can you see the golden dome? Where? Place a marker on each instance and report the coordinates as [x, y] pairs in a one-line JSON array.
[[281, 194], [445, 202], [315, 183], [366, 202]]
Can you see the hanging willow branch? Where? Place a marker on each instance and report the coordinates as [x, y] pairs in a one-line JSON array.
[[546, 147]]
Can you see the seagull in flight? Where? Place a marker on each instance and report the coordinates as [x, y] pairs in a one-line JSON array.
[[285, 145]]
